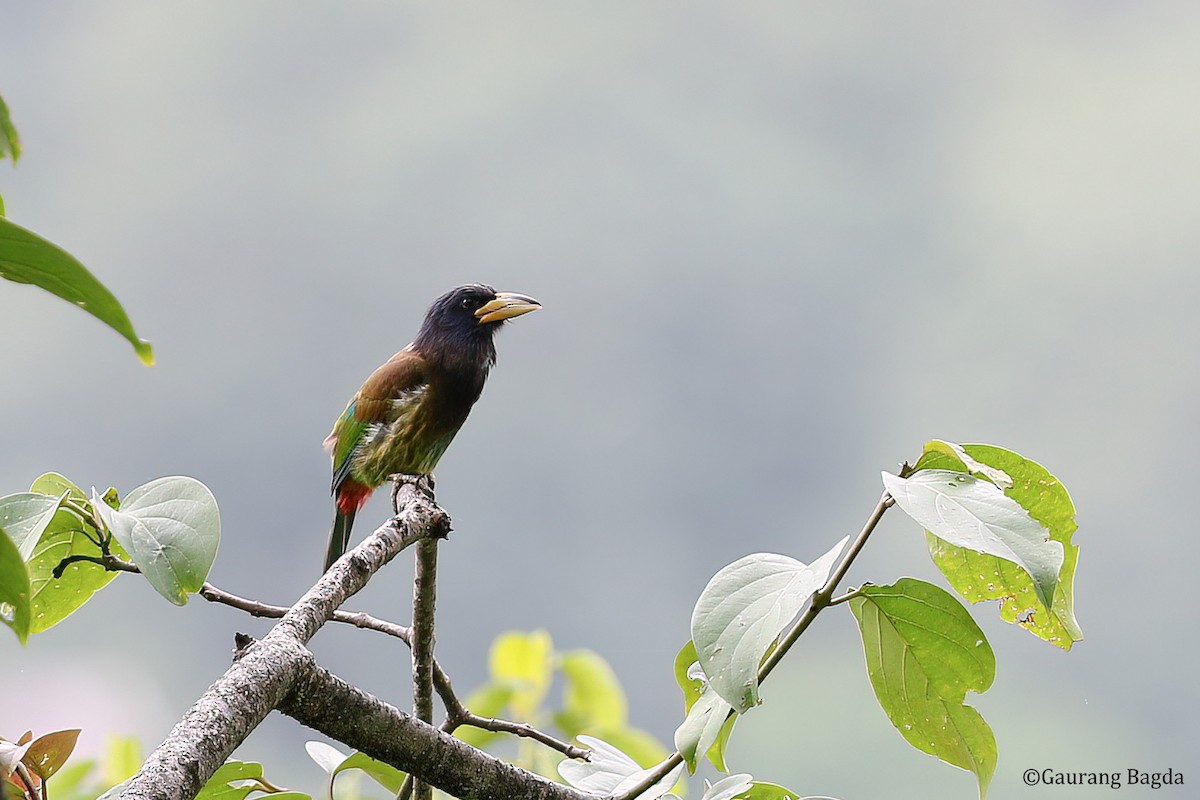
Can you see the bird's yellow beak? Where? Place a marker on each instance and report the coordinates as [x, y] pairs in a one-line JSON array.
[[506, 306]]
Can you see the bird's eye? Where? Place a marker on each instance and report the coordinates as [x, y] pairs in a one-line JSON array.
[[466, 302]]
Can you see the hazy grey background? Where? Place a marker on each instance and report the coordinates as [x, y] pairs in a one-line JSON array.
[[780, 245]]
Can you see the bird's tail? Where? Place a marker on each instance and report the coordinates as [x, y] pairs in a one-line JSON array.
[[339, 537], [349, 496]]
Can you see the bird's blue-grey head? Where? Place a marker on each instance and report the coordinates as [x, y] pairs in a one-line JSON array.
[[459, 326]]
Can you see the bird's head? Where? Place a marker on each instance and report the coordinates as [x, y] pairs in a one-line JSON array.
[[460, 324]]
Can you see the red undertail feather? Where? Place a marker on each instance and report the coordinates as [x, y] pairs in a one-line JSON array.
[[352, 495]]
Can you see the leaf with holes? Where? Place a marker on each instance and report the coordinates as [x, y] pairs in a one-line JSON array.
[[50, 751], [976, 514], [171, 529], [978, 576], [924, 653], [743, 610], [965, 462], [55, 599]]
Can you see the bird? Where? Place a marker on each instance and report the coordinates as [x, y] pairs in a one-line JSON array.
[[408, 411]]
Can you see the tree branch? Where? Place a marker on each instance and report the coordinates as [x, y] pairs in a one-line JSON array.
[[257, 682], [326, 703], [458, 715], [424, 605]]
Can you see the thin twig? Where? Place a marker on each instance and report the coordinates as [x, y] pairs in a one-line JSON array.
[[108, 561], [821, 599], [458, 715]]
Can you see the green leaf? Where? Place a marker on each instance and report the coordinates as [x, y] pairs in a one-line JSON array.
[[26, 257], [122, 758], [55, 599], [110, 498], [924, 652], [977, 515], [68, 782], [385, 775], [692, 681], [743, 610], [965, 462], [979, 577], [691, 684], [488, 701], [610, 771], [701, 729], [49, 752], [716, 752], [24, 517], [57, 485], [593, 699], [334, 762], [760, 790], [525, 662], [729, 787], [14, 588], [171, 528], [249, 777], [326, 756], [639, 745], [10, 142]]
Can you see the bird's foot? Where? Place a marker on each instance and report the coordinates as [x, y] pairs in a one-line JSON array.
[[422, 483], [440, 524]]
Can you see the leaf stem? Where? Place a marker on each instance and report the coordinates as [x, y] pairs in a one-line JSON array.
[[850, 595], [108, 561]]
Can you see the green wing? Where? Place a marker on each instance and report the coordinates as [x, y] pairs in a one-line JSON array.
[[347, 434], [376, 403]]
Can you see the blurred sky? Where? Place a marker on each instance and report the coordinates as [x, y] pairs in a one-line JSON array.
[[779, 245]]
